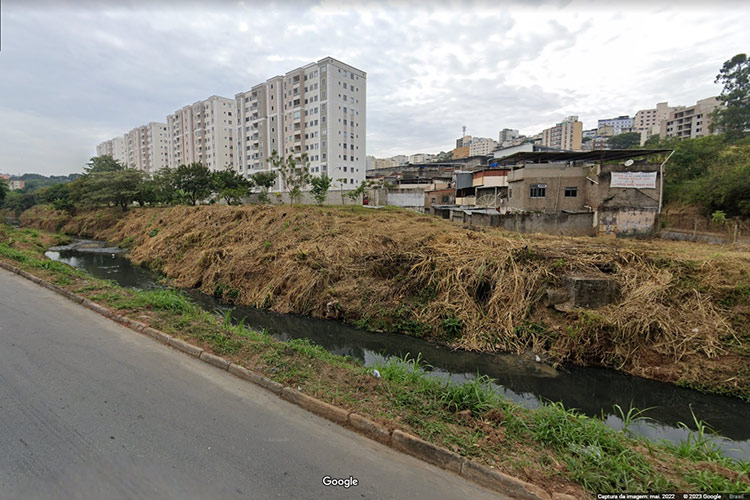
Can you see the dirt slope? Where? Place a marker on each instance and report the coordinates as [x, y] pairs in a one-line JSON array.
[[682, 315]]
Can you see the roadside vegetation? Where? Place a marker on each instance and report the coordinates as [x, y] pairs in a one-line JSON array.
[[682, 314], [554, 447]]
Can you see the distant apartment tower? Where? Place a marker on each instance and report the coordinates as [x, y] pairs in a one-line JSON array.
[[619, 124], [690, 122], [203, 133], [565, 135], [147, 147], [481, 146], [508, 137], [648, 121], [114, 148], [318, 109]]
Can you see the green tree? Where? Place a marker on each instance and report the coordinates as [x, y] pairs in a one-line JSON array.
[[230, 185], [119, 187], [725, 186], [166, 191], [59, 195], [104, 163], [20, 202], [734, 117], [320, 187], [627, 140], [356, 193], [193, 182], [295, 173], [4, 189], [264, 181]]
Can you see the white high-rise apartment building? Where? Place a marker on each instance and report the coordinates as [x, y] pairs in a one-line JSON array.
[[202, 133], [115, 148], [146, 147], [318, 109]]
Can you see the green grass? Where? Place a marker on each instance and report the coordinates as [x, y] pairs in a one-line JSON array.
[[460, 416]]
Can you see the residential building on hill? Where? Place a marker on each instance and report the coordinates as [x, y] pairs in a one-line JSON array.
[[691, 121], [565, 135], [202, 132], [318, 109], [620, 124], [648, 121]]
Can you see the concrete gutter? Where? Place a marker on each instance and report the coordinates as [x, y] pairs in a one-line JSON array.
[[394, 438]]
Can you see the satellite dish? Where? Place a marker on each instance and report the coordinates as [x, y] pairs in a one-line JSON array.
[[628, 163]]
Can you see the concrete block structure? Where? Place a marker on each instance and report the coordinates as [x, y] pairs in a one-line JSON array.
[[115, 148]]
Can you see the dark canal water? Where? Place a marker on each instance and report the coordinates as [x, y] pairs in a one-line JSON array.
[[594, 391]]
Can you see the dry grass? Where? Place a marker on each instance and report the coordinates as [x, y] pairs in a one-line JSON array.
[[681, 317]]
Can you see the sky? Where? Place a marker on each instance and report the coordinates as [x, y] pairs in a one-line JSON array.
[[76, 73]]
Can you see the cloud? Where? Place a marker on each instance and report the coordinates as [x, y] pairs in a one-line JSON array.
[[79, 73]]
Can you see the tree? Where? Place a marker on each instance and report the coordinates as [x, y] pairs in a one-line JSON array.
[[120, 187], [166, 191], [104, 163], [264, 181], [320, 187], [193, 181], [734, 117], [356, 193], [60, 196], [627, 140], [4, 189], [230, 185], [295, 173]]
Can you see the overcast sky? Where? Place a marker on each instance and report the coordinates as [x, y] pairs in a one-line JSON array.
[[73, 74]]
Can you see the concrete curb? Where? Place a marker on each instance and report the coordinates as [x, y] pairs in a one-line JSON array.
[[397, 439], [443, 458]]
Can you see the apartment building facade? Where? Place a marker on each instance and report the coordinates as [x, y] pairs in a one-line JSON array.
[[115, 148], [619, 124], [648, 121], [203, 132], [318, 109], [147, 147], [482, 146], [691, 121], [565, 135]]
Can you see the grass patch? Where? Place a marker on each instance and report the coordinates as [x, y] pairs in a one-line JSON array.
[[555, 447]]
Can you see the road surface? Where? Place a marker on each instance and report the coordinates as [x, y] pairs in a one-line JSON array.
[[92, 410]]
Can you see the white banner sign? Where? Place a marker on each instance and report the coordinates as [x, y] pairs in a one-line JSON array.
[[645, 180]]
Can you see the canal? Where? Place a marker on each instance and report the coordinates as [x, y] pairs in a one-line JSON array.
[[593, 391]]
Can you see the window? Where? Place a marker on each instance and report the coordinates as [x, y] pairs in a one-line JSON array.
[[538, 191], [571, 192]]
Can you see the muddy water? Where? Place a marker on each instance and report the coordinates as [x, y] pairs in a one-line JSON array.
[[592, 390]]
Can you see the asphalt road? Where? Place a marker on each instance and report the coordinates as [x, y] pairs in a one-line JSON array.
[[92, 410]]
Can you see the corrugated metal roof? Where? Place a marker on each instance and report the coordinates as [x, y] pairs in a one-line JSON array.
[[602, 155]]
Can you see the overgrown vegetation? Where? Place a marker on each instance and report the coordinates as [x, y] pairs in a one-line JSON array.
[[681, 315], [556, 448]]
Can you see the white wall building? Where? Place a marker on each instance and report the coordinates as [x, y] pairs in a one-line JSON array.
[[203, 133], [318, 109], [115, 148], [146, 147], [481, 146]]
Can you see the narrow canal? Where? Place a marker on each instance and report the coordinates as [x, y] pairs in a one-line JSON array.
[[594, 391]]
